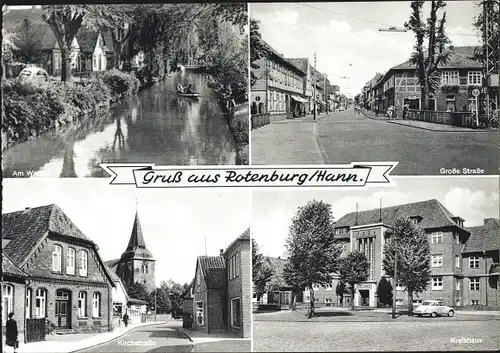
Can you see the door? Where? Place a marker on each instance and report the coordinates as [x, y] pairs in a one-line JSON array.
[[365, 297], [62, 312]]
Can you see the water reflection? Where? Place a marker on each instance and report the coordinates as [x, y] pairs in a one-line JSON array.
[[156, 126]]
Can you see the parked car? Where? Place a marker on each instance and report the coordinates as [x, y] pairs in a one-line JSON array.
[[433, 308], [33, 73], [341, 108]]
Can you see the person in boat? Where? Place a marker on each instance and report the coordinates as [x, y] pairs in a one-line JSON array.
[[189, 89], [180, 88]]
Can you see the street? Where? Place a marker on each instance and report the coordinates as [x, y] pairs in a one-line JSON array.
[[347, 137], [413, 335], [158, 338]]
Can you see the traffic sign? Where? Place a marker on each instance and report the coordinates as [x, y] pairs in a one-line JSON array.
[[475, 92]]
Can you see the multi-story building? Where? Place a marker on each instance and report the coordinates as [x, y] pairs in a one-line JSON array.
[[279, 88], [456, 253], [220, 294], [68, 283], [307, 93], [457, 78]]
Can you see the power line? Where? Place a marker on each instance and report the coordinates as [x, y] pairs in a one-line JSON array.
[[371, 21]]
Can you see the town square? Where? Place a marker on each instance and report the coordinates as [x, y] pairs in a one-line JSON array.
[[326, 279], [349, 81]]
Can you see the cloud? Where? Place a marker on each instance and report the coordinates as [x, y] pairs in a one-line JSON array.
[[473, 206]]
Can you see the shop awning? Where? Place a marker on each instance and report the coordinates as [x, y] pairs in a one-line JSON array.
[[298, 99]]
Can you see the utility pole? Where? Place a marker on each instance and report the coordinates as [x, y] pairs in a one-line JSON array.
[[395, 281], [314, 88], [156, 309], [325, 93], [490, 62]]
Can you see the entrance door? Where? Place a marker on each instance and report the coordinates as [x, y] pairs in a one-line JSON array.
[[365, 297], [62, 309]]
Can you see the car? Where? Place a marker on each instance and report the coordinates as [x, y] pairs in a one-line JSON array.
[[33, 73], [434, 308], [341, 108]]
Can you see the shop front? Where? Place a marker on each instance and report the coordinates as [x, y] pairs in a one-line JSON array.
[[365, 295]]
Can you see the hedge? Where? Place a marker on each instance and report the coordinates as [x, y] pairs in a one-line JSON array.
[[32, 108], [121, 84]]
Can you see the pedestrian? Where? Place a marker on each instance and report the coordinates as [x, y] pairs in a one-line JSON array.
[[11, 333], [405, 111], [125, 319]]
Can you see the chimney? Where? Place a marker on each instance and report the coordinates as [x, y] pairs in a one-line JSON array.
[[221, 252], [489, 220]]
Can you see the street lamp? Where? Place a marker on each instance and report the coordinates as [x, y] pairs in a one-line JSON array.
[[390, 233]]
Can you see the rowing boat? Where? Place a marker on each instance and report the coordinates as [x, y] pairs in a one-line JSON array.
[[190, 95]]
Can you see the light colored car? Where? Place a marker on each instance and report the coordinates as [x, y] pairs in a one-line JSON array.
[[433, 308], [341, 108], [33, 73]]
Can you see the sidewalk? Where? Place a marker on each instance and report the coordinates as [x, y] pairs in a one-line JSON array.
[[200, 337], [458, 312], [371, 115], [436, 127], [287, 142], [76, 342]]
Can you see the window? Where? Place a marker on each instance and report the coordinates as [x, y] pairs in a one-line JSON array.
[[7, 301], [315, 287], [70, 262], [234, 266], [40, 303], [437, 260], [474, 283], [414, 221], [459, 284], [83, 263], [473, 262], [199, 313], [437, 238], [235, 313], [399, 301], [56, 258], [457, 239], [329, 287], [29, 294], [457, 261], [474, 302], [82, 304], [96, 305], [450, 103], [449, 78], [437, 283], [474, 78], [57, 61]]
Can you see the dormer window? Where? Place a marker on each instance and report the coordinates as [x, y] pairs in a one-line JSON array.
[[458, 221], [415, 219]]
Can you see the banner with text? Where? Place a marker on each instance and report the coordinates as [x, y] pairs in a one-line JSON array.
[[151, 176]]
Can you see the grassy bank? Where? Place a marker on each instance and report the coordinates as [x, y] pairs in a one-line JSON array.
[[33, 108], [238, 124]]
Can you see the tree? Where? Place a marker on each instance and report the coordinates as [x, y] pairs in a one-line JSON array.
[[353, 270], [437, 50], [66, 20], [384, 291], [257, 49], [340, 290], [261, 272], [311, 247], [138, 291], [28, 42], [8, 47], [412, 245]]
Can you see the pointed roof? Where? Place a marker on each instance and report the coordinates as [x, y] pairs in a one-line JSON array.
[[11, 269], [433, 213], [27, 228], [213, 269], [136, 248], [485, 237]]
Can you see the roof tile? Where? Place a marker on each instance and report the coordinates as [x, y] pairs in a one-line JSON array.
[[485, 237]]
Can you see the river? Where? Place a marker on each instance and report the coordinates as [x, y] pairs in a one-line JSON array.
[[155, 126]]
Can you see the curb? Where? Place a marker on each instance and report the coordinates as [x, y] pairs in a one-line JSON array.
[[114, 338], [448, 131], [372, 118]]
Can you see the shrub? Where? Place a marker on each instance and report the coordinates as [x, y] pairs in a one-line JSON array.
[[32, 108], [120, 83]]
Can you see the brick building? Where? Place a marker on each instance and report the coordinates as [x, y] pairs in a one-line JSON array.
[[279, 89], [454, 249], [67, 281], [220, 297], [457, 78], [137, 264], [13, 291]]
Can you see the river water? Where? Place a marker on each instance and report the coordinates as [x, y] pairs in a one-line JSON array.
[[155, 126]]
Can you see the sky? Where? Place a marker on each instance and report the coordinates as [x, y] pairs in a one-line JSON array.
[[345, 35], [174, 222], [473, 199]]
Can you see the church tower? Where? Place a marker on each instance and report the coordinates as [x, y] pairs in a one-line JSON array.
[[137, 264]]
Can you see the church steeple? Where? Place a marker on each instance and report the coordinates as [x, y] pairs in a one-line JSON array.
[[136, 238]]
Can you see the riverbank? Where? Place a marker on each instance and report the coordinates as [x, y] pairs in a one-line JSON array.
[[239, 124], [34, 108]]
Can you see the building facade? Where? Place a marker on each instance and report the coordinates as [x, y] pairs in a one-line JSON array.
[[457, 78], [220, 297], [68, 283], [453, 280], [278, 89]]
